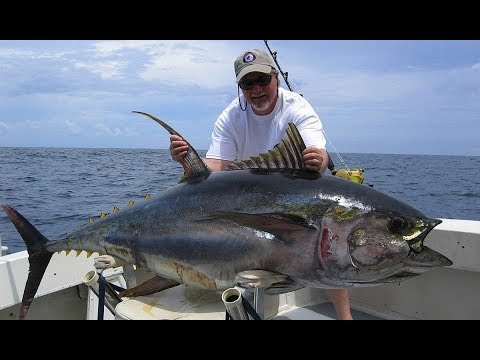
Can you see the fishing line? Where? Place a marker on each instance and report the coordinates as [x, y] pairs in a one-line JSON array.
[[335, 150], [285, 78]]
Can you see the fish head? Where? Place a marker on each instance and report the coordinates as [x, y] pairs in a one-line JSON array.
[[358, 246]]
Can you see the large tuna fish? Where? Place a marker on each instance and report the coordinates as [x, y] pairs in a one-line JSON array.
[[267, 213]]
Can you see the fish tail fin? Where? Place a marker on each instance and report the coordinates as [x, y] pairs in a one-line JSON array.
[[38, 256]]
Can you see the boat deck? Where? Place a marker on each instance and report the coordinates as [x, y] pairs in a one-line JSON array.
[[184, 303], [323, 311], [177, 303]]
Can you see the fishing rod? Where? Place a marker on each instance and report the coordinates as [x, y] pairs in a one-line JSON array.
[[331, 165], [284, 74]]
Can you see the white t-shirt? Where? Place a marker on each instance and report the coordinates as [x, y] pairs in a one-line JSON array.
[[238, 134]]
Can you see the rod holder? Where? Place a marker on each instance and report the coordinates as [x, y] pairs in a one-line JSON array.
[[232, 298]]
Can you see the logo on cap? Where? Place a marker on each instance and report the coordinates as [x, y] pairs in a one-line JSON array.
[[248, 57]]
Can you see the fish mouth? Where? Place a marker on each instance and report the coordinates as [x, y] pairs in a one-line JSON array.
[[426, 259], [421, 258], [417, 264], [404, 275]]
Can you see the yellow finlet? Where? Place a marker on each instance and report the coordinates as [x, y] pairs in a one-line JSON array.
[[130, 203], [89, 253], [90, 220], [147, 196], [102, 215], [78, 252], [67, 252], [115, 209]]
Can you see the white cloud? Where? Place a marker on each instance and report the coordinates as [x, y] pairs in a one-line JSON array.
[[102, 130], [3, 128], [130, 132], [206, 64], [30, 54], [72, 127], [111, 48], [32, 124], [6, 67], [106, 69], [404, 89], [207, 67], [476, 66]]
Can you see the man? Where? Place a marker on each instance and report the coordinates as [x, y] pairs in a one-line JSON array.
[[256, 121]]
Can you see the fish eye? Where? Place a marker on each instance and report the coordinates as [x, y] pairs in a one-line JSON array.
[[407, 229], [397, 225]]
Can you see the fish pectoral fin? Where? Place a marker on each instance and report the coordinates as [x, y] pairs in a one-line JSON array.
[[283, 287], [279, 224], [274, 283], [258, 278], [156, 284], [107, 261], [194, 167]]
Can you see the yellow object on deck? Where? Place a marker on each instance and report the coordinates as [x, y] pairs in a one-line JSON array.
[[355, 175]]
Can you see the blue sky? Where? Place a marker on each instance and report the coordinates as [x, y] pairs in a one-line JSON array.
[[386, 96]]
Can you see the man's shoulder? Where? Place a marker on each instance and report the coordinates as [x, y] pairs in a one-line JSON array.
[[233, 106], [231, 112], [291, 96], [295, 102]]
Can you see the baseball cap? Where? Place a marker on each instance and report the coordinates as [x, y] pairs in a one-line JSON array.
[[253, 60]]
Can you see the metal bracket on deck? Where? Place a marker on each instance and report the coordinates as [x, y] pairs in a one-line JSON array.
[[237, 306]]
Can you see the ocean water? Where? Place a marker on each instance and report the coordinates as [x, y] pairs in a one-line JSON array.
[[57, 189]]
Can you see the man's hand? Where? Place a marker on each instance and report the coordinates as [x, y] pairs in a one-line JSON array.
[[178, 148], [315, 159]]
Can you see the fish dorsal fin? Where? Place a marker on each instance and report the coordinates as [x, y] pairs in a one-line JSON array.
[[194, 167], [285, 155]]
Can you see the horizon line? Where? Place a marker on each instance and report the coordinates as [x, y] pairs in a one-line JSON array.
[[140, 148]]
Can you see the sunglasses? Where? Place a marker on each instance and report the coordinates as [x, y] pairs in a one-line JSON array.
[[262, 80]]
